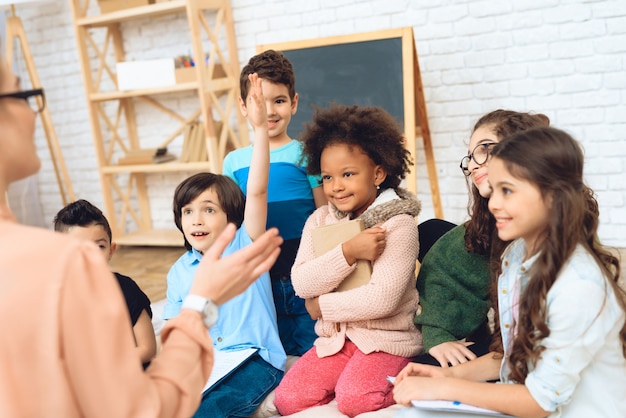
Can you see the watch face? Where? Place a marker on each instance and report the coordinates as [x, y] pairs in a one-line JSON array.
[[210, 313]]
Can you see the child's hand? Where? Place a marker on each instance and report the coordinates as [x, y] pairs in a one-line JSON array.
[[418, 369], [368, 245], [418, 388], [312, 306], [255, 103], [452, 352]]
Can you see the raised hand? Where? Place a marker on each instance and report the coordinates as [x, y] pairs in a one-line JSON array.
[[255, 103], [221, 279]]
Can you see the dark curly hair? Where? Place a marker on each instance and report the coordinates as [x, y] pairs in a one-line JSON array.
[[372, 129], [272, 66], [81, 213]]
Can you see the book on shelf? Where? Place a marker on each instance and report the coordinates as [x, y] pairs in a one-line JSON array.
[[194, 143], [327, 237], [146, 156]]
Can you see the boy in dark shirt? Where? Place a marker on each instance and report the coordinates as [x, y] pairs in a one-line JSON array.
[[85, 221]]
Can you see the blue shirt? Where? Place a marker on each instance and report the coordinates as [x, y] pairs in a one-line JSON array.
[[582, 371], [290, 196], [248, 320]]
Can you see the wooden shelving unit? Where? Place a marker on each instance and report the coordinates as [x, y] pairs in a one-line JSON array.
[[100, 42]]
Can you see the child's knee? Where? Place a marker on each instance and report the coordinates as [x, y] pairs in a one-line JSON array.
[[290, 400], [353, 402]]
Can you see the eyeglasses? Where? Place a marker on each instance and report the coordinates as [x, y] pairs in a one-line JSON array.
[[480, 155], [36, 98]]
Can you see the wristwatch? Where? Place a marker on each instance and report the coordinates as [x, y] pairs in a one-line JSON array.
[[206, 307]]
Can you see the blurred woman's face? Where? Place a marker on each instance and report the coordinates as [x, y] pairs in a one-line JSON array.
[[18, 158]]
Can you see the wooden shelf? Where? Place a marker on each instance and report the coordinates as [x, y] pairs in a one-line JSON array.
[[113, 113], [216, 85], [171, 166], [154, 237], [151, 10], [117, 95]]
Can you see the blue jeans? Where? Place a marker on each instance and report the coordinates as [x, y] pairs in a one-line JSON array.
[[295, 326], [240, 393]]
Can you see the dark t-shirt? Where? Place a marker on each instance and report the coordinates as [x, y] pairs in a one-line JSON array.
[[136, 300]]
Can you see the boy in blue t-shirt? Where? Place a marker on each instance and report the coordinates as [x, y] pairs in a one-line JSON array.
[[292, 194]]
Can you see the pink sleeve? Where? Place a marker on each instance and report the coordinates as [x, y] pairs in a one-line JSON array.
[[392, 274], [102, 364]]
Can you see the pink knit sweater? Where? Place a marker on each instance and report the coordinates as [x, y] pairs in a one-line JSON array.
[[377, 316]]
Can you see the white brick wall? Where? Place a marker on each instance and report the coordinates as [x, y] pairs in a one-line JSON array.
[[566, 59]]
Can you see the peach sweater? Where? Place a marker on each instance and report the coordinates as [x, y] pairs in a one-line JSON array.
[[67, 346]]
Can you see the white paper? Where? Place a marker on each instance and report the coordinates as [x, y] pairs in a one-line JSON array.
[[136, 75], [449, 406], [225, 362]]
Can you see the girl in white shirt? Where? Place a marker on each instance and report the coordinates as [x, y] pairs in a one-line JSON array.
[[561, 311]]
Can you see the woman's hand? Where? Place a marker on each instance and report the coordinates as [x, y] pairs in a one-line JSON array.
[[367, 245], [221, 279]]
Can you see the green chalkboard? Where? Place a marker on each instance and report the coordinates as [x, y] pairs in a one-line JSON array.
[[369, 69], [367, 73]]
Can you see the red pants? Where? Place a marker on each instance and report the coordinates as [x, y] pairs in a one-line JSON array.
[[356, 380]]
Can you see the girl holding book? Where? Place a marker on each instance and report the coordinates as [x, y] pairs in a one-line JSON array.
[[560, 309], [365, 333]]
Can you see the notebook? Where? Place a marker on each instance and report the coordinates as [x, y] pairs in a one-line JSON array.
[[327, 237], [459, 407], [226, 362]]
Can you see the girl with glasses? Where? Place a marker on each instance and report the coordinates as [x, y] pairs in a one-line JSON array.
[[454, 277]]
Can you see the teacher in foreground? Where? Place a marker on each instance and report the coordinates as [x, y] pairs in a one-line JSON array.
[[67, 347]]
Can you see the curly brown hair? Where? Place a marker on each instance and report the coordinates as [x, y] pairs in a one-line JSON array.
[[372, 129], [553, 161], [272, 66]]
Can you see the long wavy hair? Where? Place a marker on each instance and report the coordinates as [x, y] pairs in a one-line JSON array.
[[553, 161]]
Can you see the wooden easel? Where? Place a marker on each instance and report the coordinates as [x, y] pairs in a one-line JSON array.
[[415, 116], [15, 30]]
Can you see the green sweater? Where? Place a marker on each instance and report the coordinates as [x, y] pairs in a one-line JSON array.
[[453, 286]]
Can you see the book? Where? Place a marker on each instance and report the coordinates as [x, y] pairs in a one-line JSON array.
[[185, 154], [327, 237], [453, 406], [226, 362], [146, 156]]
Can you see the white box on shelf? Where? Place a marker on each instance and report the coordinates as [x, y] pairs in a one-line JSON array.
[[135, 75]]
